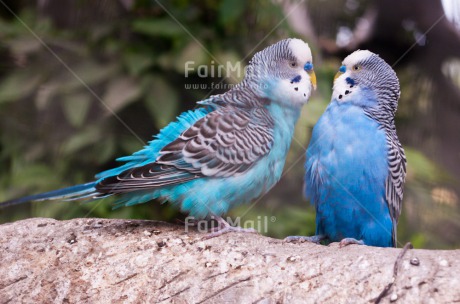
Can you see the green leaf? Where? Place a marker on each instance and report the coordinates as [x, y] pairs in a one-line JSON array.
[[24, 45], [161, 101], [165, 27], [129, 144], [231, 10], [193, 53], [422, 168], [32, 175], [120, 92], [18, 85], [85, 74], [418, 240], [136, 63], [103, 152], [76, 107], [45, 94], [166, 60], [82, 140]]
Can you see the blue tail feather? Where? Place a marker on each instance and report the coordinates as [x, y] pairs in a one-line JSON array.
[[69, 193], [139, 158]]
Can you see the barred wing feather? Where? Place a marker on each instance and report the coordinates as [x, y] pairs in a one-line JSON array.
[[226, 142], [394, 187]]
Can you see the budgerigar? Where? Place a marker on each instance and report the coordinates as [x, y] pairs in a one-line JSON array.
[[229, 151], [355, 165]]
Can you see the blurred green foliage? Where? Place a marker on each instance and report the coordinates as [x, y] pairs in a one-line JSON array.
[[74, 97]]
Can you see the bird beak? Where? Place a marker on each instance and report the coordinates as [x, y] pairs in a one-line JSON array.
[[312, 75], [337, 75], [342, 70]]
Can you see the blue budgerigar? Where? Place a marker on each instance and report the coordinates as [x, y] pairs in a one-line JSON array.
[[229, 151], [355, 165]]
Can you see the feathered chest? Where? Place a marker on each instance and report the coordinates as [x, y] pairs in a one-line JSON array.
[[346, 141], [283, 127]]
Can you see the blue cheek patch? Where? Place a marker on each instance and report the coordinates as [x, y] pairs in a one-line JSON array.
[[343, 69], [308, 66], [350, 81], [296, 79]]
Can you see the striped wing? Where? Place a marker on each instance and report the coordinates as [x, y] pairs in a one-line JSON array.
[[394, 187], [226, 142]]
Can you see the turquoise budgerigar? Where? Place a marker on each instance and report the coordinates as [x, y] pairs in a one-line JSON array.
[[355, 165], [229, 151]]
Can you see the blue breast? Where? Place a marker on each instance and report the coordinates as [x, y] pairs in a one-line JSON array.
[[216, 196], [345, 176]]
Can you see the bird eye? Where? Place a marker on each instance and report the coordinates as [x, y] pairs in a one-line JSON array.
[[356, 67], [293, 64]]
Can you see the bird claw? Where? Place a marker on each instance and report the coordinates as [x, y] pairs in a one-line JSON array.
[[223, 227], [349, 241], [221, 231], [301, 239]]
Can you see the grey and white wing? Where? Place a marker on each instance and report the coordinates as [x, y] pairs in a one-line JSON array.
[[226, 142], [394, 187]]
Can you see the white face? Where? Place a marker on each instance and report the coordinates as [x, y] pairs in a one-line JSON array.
[[298, 88], [300, 50], [344, 89]]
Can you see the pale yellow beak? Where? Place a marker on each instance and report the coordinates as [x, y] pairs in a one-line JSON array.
[[342, 70], [337, 75], [312, 75]]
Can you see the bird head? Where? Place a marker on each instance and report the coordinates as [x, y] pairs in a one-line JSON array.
[[283, 72], [366, 80]]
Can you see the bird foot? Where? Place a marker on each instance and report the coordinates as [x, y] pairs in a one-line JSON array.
[[349, 241], [301, 239], [223, 227]]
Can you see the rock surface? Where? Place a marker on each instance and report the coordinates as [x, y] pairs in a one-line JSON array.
[[135, 261]]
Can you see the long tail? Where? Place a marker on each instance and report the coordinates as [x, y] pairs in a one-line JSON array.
[[68, 194]]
